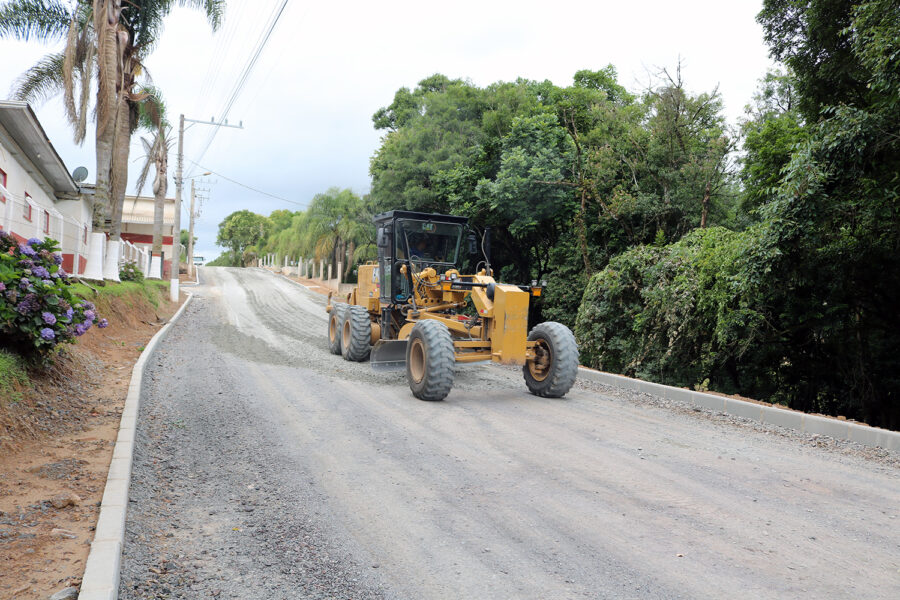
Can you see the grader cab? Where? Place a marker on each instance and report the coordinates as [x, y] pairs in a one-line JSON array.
[[414, 309]]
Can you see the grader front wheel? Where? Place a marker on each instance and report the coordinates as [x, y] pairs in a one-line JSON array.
[[552, 372], [430, 360]]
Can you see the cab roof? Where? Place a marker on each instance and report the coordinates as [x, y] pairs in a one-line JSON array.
[[419, 216]]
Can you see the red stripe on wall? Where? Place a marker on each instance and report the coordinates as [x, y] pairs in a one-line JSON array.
[[143, 238]]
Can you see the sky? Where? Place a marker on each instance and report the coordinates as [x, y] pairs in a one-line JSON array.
[[306, 107]]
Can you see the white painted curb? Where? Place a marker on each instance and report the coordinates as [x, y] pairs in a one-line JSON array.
[[101, 572], [842, 430]]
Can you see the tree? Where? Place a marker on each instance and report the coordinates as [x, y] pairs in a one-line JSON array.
[[152, 117], [185, 237], [111, 39], [127, 35], [240, 230], [68, 71], [774, 126]]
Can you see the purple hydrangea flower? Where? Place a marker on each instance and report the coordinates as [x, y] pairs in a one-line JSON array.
[[24, 283], [3, 234], [33, 241], [41, 272], [90, 315], [87, 324], [88, 305], [12, 295], [80, 329], [26, 263], [47, 333], [28, 304], [27, 250], [48, 318], [2, 286], [48, 282], [57, 259], [103, 323], [62, 273], [69, 313]]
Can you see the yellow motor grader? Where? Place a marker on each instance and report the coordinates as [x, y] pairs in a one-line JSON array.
[[409, 309]]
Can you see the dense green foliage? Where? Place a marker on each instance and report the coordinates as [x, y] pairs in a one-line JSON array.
[[797, 308]]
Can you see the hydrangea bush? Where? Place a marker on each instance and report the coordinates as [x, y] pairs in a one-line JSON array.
[[37, 309], [129, 271]]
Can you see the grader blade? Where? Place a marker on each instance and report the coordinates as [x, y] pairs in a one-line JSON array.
[[388, 355]]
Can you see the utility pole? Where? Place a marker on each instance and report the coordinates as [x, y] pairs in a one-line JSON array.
[[176, 234], [190, 248], [176, 228]]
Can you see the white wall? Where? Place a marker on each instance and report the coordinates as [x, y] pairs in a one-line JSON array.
[[67, 218]]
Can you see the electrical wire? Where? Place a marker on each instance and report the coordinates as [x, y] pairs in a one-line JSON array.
[[243, 185], [244, 76]]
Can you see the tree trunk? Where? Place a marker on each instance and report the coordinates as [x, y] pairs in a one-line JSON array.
[[349, 263], [582, 235], [704, 213], [119, 174], [160, 186], [106, 16]]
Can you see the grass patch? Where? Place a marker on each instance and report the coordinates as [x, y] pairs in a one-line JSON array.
[[13, 377], [150, 289]]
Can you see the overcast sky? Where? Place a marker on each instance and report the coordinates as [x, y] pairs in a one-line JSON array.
[[327, 67]]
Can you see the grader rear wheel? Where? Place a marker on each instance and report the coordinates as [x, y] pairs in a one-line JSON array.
[[552, 372], [430, 360], [335, 324]]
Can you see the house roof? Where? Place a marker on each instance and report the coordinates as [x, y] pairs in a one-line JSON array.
[[23, 127]]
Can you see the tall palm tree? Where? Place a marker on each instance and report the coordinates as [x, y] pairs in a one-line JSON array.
[[128, 33], [109, 38], [152, 116], [70, 70]]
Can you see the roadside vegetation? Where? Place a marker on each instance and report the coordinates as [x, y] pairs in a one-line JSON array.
[[760, 260]]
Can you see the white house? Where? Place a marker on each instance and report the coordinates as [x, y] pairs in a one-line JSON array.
[[38, 197]]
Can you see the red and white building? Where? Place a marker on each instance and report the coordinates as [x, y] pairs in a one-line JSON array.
[[137, 229], [38, 197]]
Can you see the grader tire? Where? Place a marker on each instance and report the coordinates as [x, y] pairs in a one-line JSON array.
[[335, 324], [552, 373], [356, 334], [430, 360]]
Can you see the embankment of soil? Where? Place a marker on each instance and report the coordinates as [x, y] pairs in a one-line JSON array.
[[57, 432]]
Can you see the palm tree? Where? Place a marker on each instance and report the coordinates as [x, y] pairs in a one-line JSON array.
[[153, 118], [112, 39], [128, 34], [68, 71]]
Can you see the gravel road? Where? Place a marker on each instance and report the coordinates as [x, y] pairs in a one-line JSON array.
[[266, 467]]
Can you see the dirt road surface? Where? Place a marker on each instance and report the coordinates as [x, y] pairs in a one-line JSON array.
[[266, 467]]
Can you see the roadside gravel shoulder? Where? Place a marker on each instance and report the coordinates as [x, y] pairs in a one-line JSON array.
[[210, 514]]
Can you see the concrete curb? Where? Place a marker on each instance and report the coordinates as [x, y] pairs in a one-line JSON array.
[[842, 430], [101, 572]]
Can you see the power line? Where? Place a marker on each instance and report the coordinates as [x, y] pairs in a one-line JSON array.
[[243, 185], [245, 74]]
